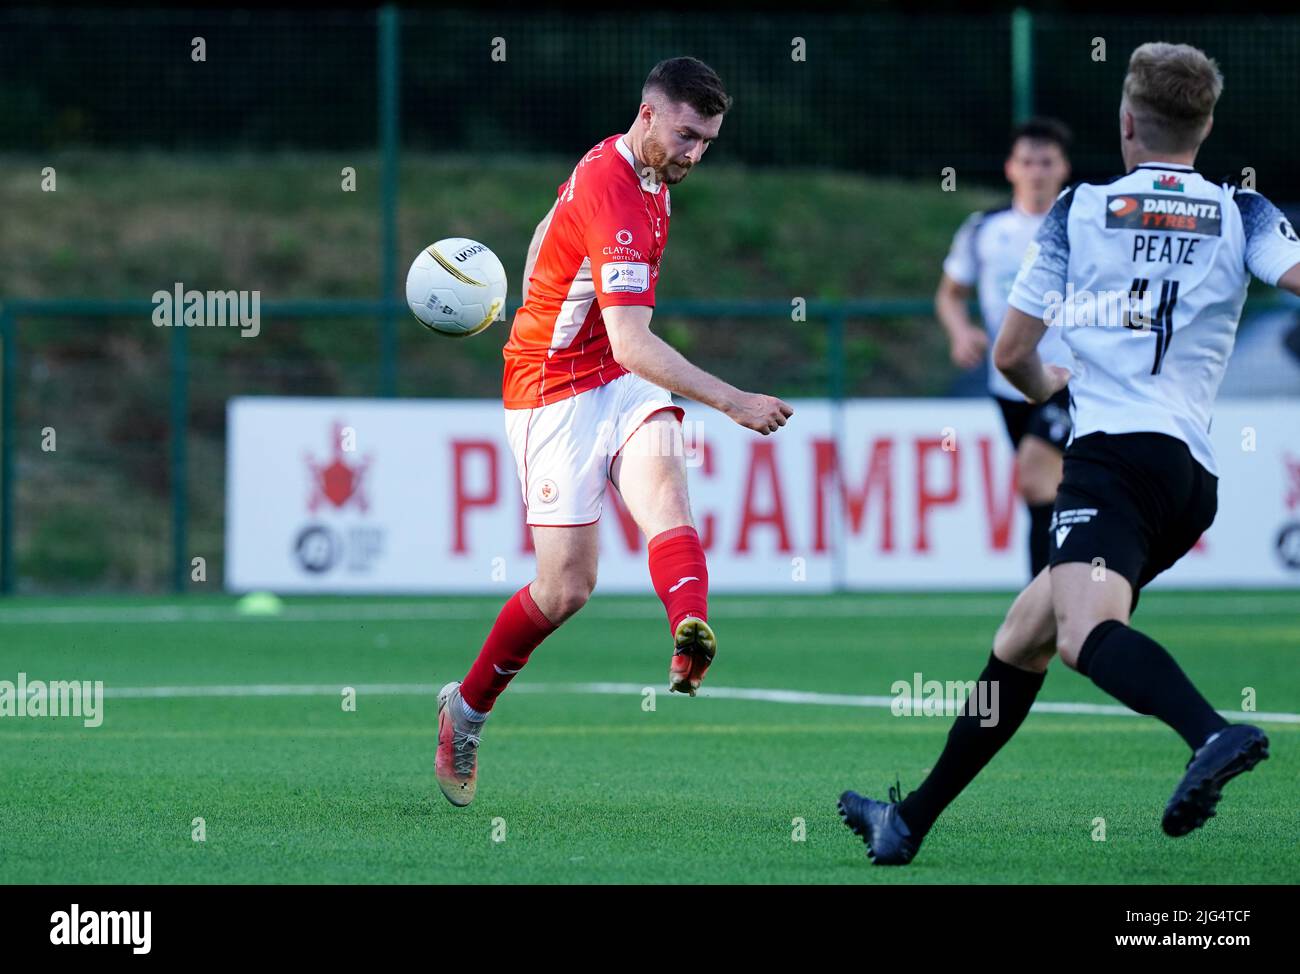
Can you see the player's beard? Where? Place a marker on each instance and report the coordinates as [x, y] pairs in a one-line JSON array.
[[656, 157]]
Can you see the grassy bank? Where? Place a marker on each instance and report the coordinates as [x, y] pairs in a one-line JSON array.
[[96, 511]]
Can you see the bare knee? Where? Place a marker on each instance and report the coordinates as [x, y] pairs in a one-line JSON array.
[[1026, 638], [1071, 634], [562, 596], [1018, 644], [1082, 600]]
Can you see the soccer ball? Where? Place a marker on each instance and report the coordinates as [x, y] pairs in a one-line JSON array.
[[456, 287]]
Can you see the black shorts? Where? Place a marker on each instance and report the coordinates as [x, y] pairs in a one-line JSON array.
[[1137, 501], [1048, 421]]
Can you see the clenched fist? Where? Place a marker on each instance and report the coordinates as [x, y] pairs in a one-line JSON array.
[[762, 414], [968, 347]]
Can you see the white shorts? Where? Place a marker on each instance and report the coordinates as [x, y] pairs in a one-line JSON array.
[[564, 450]]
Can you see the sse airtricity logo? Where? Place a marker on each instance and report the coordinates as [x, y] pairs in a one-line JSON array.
[[631, 277]]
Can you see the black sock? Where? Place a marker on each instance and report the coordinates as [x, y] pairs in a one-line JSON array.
[[1137, 671], [1040, 522], [971, 746]]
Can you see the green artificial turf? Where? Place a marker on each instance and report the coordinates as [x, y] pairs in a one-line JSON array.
[[592, 787]]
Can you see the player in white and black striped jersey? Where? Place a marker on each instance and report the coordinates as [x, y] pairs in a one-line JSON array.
[[985, 256], [1146, 276]]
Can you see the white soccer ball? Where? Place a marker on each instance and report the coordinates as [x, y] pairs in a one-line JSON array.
[[456, 287]]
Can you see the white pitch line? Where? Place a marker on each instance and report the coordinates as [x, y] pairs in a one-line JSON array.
[[808, 697], [962, 605]]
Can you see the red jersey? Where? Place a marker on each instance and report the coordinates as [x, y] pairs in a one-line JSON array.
[[601, 249]]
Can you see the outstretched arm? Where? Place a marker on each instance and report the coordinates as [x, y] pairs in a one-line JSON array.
[[641, 351]]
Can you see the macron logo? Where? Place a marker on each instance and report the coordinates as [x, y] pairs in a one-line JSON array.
[[102, 927], [681, 582], [1063, 521]]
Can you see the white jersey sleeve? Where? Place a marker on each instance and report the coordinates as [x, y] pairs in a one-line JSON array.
[[961, 264], [1043, 272], [1272, 246]]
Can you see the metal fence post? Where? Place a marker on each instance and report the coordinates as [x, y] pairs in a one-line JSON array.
[[180, 409], [389, 73], [1022, 65], [835, 381], [8, 373]]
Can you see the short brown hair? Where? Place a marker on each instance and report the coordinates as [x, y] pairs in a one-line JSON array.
[[1042, 129], [689, 80], [1171, 90]]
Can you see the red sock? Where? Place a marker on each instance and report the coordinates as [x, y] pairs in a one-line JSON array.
[[519, 630], [680, 576]]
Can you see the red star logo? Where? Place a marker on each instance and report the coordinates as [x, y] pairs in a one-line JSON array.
[[337, 482]]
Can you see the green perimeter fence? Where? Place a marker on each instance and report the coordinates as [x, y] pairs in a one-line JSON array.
[[879, 92], [143, 436], [121, 485]]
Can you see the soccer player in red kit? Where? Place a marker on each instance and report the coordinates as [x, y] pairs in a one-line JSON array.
[[587, 396]]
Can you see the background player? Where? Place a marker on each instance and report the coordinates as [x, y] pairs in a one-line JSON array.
[[985, 255], [1140, 485], [587, 397]]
